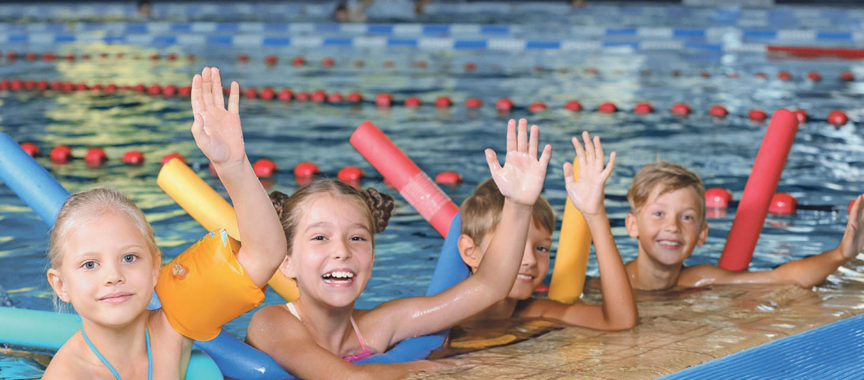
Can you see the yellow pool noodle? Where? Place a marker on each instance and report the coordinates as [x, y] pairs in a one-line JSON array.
[[571, 260], [207, 207]]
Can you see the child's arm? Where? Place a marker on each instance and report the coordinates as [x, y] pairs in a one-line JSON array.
[[218, 134], [806, 272], [273, 326], [520, 181], [618, 310]]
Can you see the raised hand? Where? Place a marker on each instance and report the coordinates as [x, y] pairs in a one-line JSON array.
[[216, 130], [853, 239], [586, 193], [521, 178]]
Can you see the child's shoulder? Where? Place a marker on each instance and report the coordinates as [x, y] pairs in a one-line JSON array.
[[71, 361], [702, 275], [273, 316]]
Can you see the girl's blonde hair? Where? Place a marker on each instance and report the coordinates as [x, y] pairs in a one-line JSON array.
[[377, 206], [93, 203]]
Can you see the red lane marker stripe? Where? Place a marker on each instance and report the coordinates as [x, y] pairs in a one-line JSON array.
[[811, 51]]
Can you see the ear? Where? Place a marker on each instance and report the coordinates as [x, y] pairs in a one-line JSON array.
[[470, 252], [287, 268], [57, 284], [631, 225], [703, 235]]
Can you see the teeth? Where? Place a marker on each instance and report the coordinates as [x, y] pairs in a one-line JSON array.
[[339, 275], [524, 277], [669, 242]]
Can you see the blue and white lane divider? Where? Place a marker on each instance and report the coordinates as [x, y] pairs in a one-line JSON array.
[[252, 40], [60, 32]]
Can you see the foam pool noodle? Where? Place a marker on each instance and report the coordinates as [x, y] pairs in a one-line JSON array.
[[760, 187], [571, 259]]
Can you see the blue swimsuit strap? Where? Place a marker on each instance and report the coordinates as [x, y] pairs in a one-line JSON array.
[[114, 371]]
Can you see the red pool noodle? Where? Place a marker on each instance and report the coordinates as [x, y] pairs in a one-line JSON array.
[[758, 191], [414, 185]]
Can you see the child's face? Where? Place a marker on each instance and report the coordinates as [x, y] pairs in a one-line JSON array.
[[107, 272], [668, 226], [535, 261], [331, 252]]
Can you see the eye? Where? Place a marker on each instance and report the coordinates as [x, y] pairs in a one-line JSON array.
[[130, 258], [319, 237], [358, 238], [542, 248], [89, 265], [657, 213]]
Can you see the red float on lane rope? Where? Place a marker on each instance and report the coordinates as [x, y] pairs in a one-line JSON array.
[[718, 111], [60, 154], [31, 149], [448, 178], [133, 157], [350, 174], [757, 115], [643, 108], [170, 156], [607, 107], [473, 103], [573, 105], [837, 118], [305, 170], [264, 167], [782, 204]]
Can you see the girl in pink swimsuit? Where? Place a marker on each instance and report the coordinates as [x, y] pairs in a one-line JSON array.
[[330, 229]]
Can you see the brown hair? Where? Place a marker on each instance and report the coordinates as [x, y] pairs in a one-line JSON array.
[[79, 207], [481, 211], [668, 177], [378, 206]]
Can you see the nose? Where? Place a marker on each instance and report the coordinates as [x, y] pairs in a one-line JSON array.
[[671, 223], [342, 251], [113, 275], [529, 259]]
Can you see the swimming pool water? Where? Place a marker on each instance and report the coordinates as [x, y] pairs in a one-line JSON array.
[[825, 165]]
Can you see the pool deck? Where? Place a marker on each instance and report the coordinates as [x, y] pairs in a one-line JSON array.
[[676, 330]]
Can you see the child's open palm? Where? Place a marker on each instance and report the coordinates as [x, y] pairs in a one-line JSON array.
[[216, 130], [586, 192], [521, 178], [853, 238]]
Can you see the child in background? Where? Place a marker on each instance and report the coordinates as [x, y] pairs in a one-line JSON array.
[[481, 213], [330, 228], [667, 216], [105, 262]]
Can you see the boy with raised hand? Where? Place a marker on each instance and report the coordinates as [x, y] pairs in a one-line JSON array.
[[667, 216], [481, 212]]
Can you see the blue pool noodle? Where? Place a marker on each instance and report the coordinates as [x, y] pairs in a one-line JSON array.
[[449, 271], [30, 181]]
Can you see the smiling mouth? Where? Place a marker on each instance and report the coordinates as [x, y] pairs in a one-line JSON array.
[[669, 244], [524, 277], [338, 277], [116, 298]]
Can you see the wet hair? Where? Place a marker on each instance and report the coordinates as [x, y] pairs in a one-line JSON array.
[[80, 208], [377, 206], [481, 211], [667, 177]]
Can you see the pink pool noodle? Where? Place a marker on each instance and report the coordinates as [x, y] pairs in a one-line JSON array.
[[758, 191], [414, 185]]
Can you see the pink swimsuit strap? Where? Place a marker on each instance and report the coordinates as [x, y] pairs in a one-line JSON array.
[[365, 352]]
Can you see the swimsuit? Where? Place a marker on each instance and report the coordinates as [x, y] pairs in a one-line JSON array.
[[205, 287], [114, 371], [363, 354]]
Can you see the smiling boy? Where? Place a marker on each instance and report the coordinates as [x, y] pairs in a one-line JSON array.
[[667, 217]]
